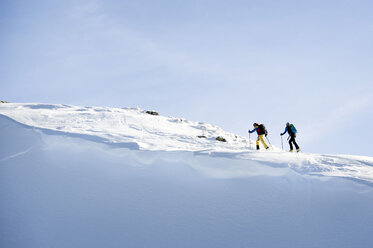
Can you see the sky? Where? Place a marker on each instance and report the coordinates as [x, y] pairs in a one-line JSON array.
[[228, 63]]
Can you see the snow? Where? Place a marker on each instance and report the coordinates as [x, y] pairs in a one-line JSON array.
[[107, 177], [134, 129], [122, 126]]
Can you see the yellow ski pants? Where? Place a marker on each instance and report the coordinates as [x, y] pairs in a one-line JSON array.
[[261, 138]]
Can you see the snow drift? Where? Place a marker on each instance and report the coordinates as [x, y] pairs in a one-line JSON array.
[[104, 177]]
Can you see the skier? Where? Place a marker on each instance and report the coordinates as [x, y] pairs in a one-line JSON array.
[[261, 131], [292, 134]]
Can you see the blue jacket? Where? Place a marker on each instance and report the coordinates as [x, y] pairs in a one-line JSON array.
[[286, 129], [253, 130], [289, 130]]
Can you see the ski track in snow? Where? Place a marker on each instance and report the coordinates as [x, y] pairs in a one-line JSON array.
[[134, 129], [15, 155]]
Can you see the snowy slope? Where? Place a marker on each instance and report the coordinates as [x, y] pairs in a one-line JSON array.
[[133, 128], [124, 126], [104, 177]]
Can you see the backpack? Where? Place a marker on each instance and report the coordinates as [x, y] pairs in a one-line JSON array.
[[262, 129], [292, 129]]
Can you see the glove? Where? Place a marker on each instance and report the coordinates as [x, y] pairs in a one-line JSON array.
[[266, 134], [281, 134]]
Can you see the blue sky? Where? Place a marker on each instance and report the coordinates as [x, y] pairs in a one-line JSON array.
[[229, 63]]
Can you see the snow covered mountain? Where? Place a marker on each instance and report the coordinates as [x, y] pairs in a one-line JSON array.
[[108, 177], [133, 128], [127, 127]]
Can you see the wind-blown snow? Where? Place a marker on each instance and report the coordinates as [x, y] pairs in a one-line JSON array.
[[105, 177]]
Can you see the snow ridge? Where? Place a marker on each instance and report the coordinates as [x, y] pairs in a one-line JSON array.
[[134, 129]]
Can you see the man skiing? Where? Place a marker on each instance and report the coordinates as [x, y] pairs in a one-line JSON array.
[[292, 134], [261, 131]]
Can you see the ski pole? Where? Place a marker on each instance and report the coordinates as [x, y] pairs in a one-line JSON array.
[[250, 139], [282, 144], [269, 142]]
